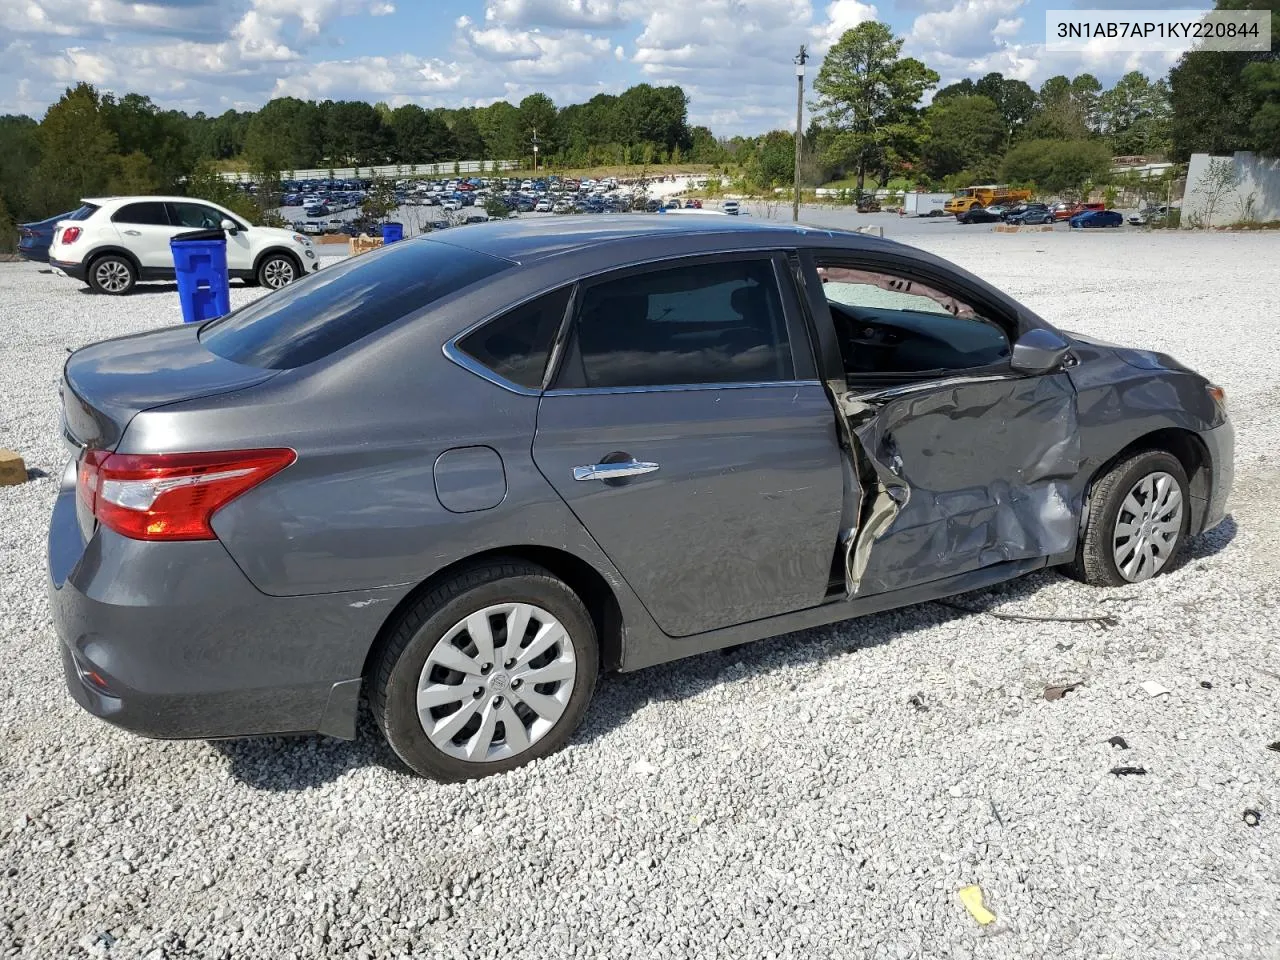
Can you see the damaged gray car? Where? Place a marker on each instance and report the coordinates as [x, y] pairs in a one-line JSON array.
[[461, 476]]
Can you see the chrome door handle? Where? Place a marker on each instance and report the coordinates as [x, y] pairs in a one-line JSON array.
[[613, 471]]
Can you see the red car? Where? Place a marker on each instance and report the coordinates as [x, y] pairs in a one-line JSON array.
[[695, 204], [1065, 211]]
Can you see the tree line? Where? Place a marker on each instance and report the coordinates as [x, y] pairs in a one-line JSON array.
[[869, 124]]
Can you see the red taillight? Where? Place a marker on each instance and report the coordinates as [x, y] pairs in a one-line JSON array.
[[70, 234], [171, 496]]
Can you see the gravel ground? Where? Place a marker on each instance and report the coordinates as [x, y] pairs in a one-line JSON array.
[[787, 799]]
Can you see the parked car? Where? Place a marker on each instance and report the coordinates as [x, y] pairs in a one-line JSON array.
[[978, 215], [1065, 211], [731, 207], [1097, 218], [1150, 215], [317, 210], [695, 203], [126, 239], [543, 206], [1031, 213], [35, 238], [1019, 209], [587, 446]]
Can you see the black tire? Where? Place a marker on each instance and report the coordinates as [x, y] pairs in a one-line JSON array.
[[112, 274], [274, 267], [398, 666], [1094, 563]]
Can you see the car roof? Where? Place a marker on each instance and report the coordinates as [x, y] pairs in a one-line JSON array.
[[527, 241], [102, 201]]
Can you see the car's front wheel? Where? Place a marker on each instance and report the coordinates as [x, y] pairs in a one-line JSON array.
[[277, 270], [112, 274], [1137, 522], [490, 670]]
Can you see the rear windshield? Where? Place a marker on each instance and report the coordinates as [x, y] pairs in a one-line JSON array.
[[83, 212], [325, 312]]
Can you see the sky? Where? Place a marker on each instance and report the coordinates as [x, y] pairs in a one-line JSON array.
[[733, 57]]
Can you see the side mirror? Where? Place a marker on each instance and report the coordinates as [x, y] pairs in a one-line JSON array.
[[1039, 351], [229, 225]]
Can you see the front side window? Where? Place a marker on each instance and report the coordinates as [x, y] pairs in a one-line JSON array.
[[709, 322], [517, 345], [196, 216], [328, 310], [890, 324], [150, 214]]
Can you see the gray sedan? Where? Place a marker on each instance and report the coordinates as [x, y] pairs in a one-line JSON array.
[[464, 475]]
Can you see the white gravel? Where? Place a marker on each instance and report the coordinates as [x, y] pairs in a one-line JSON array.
[[785, 800]]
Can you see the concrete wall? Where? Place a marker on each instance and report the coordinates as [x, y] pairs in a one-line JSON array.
[[393, 170], [1256, 197]]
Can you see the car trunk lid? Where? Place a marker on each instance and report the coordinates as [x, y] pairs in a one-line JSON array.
[[106, 384]]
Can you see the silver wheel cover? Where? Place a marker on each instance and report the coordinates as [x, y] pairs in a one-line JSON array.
[[277, 273], [112, 276], [496, 683], [1147, 527]]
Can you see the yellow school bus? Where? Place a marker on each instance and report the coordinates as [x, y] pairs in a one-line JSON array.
[[984, 195]]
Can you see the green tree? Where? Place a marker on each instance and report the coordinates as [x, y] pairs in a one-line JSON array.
[[1135, 115], [1224, 101], [380, 200], [19, 161], [285, 134], [468, 141], [537, 113], [163, 137], [353, 133], [963, 133], [774, 162], [869, 94], [134, 174], [78, 150], [419, 136], [1065, 167], [206, 183], [500, 126]]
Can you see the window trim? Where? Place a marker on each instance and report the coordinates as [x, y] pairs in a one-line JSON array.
[[787, 298]]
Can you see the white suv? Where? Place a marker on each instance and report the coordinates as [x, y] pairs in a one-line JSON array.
[[115, 242]]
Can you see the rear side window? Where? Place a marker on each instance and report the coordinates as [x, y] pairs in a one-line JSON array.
[[700, 323], [337, 306], [83, 212], [517, 345], [148, 214]]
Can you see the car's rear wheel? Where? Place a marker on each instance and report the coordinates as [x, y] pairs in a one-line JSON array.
[[488, 671], [112, 274], [277, 270], [1138, 520]]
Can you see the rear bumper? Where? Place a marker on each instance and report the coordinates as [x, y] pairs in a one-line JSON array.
[[34, 254], [171, 640], [72, 269]]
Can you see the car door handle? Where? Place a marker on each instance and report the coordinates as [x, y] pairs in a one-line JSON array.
[[134, 233], [613, 471]]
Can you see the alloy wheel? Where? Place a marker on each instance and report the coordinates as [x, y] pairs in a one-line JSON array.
[[112, 276], [1147, 526], [277, 273], [496, 683]]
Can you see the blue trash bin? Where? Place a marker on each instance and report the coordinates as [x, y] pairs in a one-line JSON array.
[[392, 233], [200, 265]]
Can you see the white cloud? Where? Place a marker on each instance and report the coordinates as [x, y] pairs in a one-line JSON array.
[[842, 15], [558, 13], [965, 29]]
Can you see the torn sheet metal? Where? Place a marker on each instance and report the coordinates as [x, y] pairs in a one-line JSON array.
[[958, 475]]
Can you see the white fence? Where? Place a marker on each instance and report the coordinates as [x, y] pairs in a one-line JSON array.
[[1248, 191], [447, 168]]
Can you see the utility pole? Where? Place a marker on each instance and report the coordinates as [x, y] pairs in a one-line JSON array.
[[799, 61], [535, 151]]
